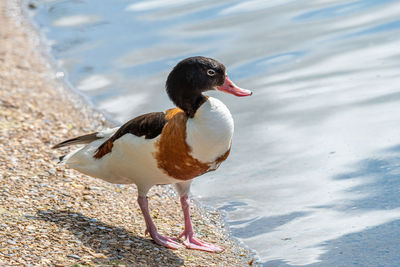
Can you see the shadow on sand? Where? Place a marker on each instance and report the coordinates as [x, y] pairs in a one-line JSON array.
[[116, 243]]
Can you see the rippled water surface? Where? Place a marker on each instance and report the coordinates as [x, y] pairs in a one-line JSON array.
[[314, 173]]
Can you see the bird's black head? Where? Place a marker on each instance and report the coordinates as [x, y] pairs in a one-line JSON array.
[[190, 78]]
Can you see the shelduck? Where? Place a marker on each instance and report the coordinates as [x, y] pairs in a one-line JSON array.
[[170, 147]]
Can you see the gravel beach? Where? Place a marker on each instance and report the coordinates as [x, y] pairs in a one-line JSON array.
[[52, 216]]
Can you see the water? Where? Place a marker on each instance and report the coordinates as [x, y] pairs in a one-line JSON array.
[[314, 173]]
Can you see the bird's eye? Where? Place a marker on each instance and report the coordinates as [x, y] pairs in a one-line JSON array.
[[210, 72]]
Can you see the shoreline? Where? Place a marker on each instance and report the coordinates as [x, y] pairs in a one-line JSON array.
[[50, 215]]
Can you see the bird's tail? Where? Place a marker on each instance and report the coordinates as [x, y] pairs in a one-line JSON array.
[[84, 139]]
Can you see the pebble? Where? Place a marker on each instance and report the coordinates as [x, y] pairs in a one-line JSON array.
[[74, 256], [87, 197]]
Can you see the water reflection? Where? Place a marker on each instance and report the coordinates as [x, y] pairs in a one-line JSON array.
[[345, 8], [313, 172], [78, 20]]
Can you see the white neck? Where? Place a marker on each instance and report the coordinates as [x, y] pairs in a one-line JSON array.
[[209, 132]]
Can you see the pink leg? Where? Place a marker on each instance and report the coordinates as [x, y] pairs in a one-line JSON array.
[[191, 241], [152, 229]]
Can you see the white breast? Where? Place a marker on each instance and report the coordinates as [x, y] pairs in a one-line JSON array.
[[209, 133]]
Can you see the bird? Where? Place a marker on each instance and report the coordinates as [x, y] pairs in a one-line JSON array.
[[170, 147]]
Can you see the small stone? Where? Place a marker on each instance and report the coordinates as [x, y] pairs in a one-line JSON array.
[[87, 197], [74, 256], [32, 5], [77, 186], [30, 228]]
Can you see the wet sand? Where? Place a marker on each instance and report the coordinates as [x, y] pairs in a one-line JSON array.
[[53, 216]]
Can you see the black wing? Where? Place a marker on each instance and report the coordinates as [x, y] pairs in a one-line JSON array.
[[149, 125]]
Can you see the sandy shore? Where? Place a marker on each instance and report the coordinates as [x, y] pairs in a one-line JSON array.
[[57, 217]]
